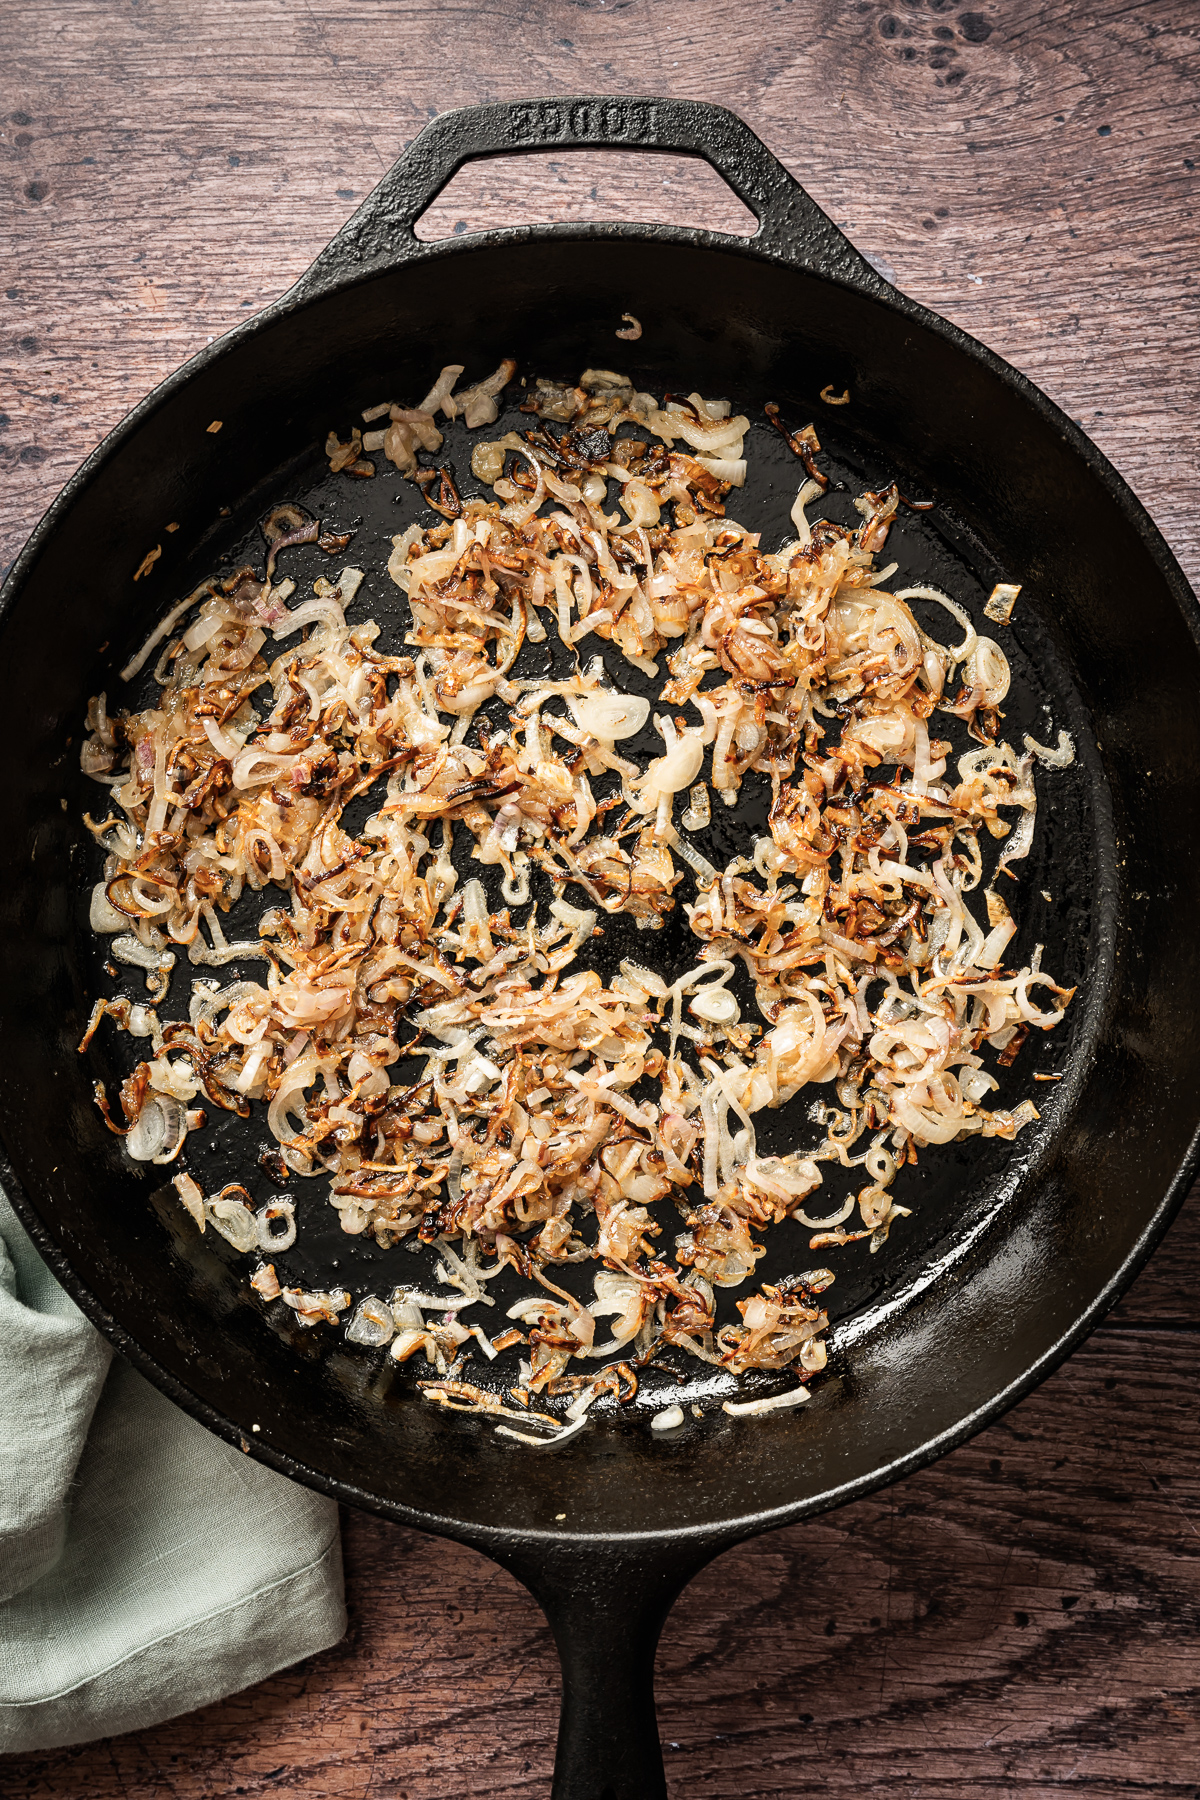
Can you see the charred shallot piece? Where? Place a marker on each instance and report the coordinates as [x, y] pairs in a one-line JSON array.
[[541, 1114]]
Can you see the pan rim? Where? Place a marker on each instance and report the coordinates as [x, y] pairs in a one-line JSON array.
[[1151, 538]]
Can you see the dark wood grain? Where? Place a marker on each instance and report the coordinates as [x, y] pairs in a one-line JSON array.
[[1021, 1619]]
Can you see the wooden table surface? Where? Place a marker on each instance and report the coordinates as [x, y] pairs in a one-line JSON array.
[[1021, 1619]]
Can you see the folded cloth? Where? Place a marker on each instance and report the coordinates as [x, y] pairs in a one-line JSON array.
[[146, 1567]]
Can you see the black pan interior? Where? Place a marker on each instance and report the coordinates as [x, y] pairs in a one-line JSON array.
[[1008, 1247]]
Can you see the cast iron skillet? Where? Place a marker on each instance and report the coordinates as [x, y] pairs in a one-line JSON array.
[[1013, 1253]]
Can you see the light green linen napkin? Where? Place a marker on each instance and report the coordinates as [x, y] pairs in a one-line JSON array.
[[146, 1567]]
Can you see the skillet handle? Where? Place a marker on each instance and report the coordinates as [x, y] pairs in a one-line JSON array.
[[607, 1604], [792, 227]]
